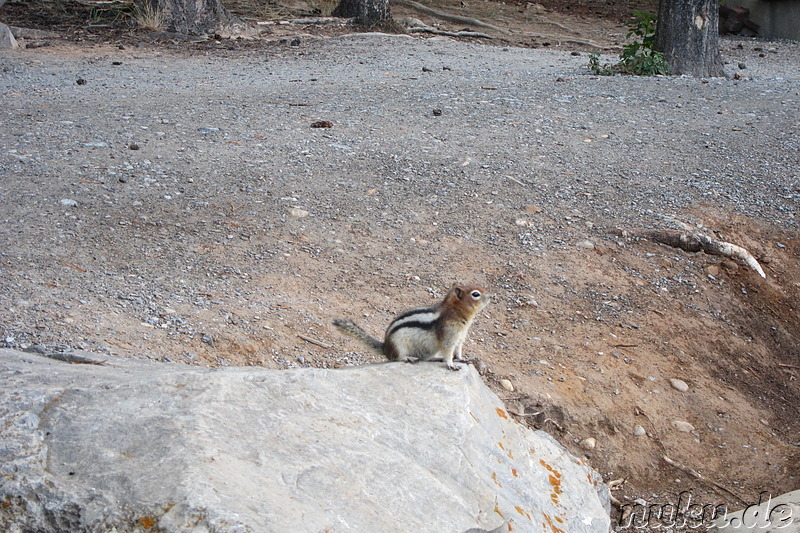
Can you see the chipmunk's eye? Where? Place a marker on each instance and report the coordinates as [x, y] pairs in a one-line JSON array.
[[476, 295]]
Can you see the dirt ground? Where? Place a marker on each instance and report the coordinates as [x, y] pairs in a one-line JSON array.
[[249, 267]]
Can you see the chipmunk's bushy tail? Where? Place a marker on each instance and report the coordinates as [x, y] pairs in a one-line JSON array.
[[350, 328]]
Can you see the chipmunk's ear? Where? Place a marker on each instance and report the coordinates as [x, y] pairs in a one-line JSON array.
[[458, 290]]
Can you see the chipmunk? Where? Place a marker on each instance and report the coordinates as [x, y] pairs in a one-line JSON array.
[[426, 333]]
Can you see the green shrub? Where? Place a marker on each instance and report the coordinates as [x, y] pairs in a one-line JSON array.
[[638, 57]]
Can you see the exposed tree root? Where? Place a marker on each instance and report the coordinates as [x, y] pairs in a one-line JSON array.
[[457, 19], [428, 29], [695, 242]]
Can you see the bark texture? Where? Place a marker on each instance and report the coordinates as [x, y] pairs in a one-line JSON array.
[[365, 12], [194, 17], [688, 35]]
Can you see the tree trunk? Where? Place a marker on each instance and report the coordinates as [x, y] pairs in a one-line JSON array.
[[195, 17], [366, 12], [688, 35]]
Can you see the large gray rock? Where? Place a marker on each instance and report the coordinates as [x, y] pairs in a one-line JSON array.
[[7, 39], [138, 446]]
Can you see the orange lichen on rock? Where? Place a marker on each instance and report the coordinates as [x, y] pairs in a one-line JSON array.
[[553, 527]]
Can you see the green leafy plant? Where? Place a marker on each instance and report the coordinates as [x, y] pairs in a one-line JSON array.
[[638, 57]]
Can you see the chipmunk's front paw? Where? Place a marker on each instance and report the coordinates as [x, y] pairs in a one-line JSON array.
[[412, 360], [452, 366]]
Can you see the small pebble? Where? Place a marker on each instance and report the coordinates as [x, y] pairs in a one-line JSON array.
[[507, 385], [589, 443], [298, 213], [68, 202], [679, 384], [639, 431], [585, 245]]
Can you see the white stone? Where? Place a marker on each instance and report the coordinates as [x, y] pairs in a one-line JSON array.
[[639, 431], [589, 443], [683, 426], [386, 447], [679, 384], [298, 213], [507, 385]]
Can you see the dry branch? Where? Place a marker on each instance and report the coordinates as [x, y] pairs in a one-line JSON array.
[[315, 342], [695, 242]]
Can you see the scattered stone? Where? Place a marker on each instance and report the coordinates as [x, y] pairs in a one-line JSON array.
[[68, 202], [437, 112], [742, 66], [206, 129], [589, 443], [585, 245], [522, 222], [712, 270], [683, 426], [80, 81], [639, 431], [298, 213], [134, 146], [322, 124], [507, 385], [95, 144], [679, 384]]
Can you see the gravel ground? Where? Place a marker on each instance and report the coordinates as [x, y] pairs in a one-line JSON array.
[[178, 203]]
